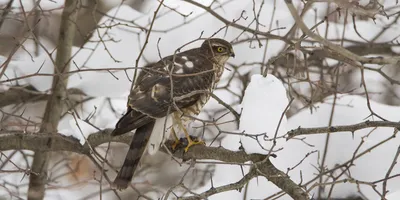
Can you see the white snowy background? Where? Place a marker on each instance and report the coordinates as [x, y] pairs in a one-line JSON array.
[[264, 101]]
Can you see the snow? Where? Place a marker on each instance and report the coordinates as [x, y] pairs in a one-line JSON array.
[[392, 196], [342, 145], [349, 110], [263, 103], [79, 129], [225, 174], [23, 64]]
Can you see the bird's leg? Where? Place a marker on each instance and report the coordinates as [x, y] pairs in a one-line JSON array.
[[190, 141], [177, 142]]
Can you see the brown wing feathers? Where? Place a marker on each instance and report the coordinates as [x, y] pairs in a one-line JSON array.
[[130, 121]]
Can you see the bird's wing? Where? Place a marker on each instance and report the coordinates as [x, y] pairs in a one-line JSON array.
[[173, 76], [151, 96], [130, 121]]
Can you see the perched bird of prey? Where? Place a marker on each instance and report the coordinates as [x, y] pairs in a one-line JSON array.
[[175, 88]]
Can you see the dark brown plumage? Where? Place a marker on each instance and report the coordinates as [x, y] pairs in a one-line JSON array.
[[158, 86], [135, 151]]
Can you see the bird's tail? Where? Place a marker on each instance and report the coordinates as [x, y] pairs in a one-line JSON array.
[[135, 152]]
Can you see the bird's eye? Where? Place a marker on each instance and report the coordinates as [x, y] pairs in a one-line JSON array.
[[220, 49]]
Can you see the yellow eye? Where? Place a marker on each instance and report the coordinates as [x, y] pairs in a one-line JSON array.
[[220, 49]]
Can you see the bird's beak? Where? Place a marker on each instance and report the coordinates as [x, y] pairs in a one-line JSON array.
[[232, 53]]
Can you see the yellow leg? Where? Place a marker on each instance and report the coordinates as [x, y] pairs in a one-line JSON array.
[[177, 142], [190, 141]]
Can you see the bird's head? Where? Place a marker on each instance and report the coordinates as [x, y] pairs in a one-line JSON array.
[[219, 49]]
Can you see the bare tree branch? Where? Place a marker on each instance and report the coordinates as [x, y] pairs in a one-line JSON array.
[[347, 128], [5, 12], [27, 94], [337, 49], [51, 118], [313, 64], [238, 26], [40, 142], [16, 95]]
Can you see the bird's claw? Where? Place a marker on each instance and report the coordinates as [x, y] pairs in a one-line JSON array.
[[192, 142], [176, 144]]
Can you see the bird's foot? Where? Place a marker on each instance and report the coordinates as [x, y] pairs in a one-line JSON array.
[[176, 144], [193, 141]]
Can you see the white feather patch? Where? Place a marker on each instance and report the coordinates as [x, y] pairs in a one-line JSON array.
[[157, 137], [189, 64]]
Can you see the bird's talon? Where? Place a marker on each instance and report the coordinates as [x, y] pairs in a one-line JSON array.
[[175, 144], [194, 142]]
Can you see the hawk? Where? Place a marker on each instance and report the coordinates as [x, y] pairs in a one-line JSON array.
[[174, 88]]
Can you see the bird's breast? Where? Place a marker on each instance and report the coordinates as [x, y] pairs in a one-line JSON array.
[[195, 109], [219, 69]]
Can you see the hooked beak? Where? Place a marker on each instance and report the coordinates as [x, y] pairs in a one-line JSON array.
[[232, 54]]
